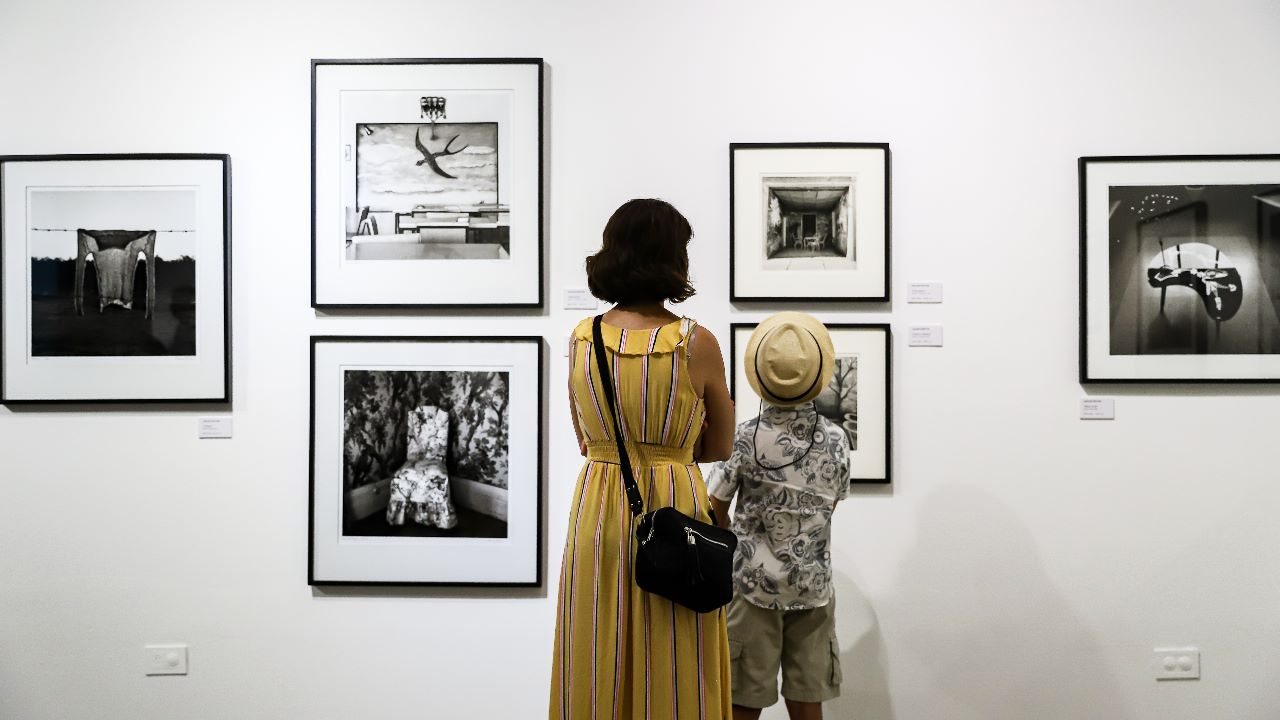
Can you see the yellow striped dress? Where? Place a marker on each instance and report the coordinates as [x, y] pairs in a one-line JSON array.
[[622, 653]]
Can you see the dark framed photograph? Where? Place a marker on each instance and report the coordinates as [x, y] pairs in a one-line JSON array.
[[426, 183], [116, 278], [426, 461], [1180, 269], [809, 222], [858, 398]]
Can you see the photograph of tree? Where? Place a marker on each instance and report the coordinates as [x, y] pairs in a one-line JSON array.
[[839, 401], [856, 399]]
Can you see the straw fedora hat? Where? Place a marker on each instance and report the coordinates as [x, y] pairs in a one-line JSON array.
[[790, 359]]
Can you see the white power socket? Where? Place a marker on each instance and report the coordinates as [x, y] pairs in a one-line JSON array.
[[166, 659], [1176, 663]]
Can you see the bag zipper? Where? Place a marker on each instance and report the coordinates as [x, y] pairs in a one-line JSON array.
[[690, 532]]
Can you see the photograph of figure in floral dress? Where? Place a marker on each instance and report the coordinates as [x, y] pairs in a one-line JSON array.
[[425, 453]]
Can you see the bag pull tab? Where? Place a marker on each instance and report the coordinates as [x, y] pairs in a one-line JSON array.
[[695, 565]]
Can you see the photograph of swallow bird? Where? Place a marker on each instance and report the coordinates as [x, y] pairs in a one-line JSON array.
[[429, 157]]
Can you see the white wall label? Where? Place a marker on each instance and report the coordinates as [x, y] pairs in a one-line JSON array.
[[924, 292], [580, 299], [925, 336], [1097, 409], [215, 427]]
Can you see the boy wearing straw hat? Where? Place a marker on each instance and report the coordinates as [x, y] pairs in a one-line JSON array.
[[788, 469]]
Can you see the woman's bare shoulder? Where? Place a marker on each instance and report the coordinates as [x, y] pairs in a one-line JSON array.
[[702, 337], [703, 346]]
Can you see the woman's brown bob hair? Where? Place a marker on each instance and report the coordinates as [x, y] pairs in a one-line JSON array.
[[644, 257]]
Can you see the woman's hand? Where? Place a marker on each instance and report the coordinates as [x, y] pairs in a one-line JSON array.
[[697, 446], [722, 511]]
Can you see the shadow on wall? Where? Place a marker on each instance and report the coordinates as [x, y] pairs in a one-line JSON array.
[[865, 690], [978, 630]]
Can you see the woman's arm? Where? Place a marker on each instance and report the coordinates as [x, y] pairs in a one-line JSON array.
[[573, 408], [706, 369], [722, 511]]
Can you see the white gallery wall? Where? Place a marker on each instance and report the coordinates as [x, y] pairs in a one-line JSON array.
[[1022, 565]]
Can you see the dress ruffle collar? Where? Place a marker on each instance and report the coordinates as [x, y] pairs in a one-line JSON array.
[[663, 339]]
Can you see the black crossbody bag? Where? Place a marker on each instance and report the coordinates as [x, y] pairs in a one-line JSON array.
[[684, 560]]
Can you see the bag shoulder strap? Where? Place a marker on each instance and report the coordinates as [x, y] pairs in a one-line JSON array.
[[624, 460]]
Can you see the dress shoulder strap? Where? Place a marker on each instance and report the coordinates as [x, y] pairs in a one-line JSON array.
[[687, 326]]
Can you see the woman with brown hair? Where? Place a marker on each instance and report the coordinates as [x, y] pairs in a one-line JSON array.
[[622, 653]]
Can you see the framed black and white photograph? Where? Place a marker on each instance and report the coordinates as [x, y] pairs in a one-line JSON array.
[[1180, 269], [425, 462], [426, 183], [116, 278], [858, 398], [809, 222]]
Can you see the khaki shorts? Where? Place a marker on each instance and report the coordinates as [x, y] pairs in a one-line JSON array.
[[802, 643]]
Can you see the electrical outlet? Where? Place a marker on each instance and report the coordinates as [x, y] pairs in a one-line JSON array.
[[1176, 663], [166, 659]]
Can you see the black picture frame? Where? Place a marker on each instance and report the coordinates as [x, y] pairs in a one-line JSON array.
[[887, 331], [222, 398], [537, 510], [1156, 173], [540, 300], [882, 296]]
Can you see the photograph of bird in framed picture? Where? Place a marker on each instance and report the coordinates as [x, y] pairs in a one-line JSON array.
[[428, 183], [428, 191]]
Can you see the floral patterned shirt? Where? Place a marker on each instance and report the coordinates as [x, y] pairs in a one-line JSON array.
[[786, 491]]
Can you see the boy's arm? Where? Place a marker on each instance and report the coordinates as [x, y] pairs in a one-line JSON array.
[[842, 469], [721, 488]]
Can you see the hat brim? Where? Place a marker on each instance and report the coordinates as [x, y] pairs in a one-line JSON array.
[[826, 355]]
